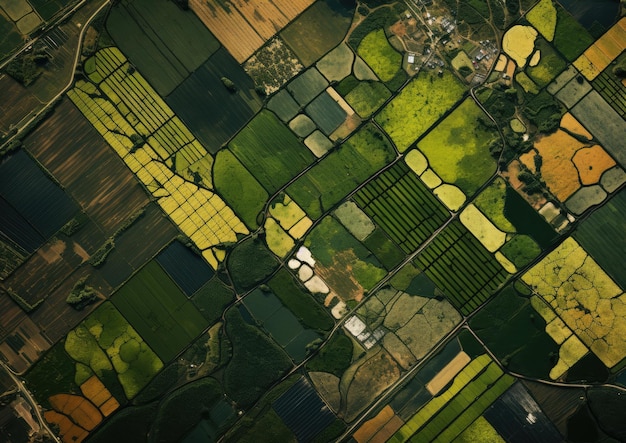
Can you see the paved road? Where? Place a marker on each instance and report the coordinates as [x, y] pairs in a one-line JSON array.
[[29, 398]]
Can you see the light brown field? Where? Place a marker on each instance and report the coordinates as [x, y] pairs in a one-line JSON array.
[[79, 409], [449, 371], [592, 163], [243, 26], [388, 430], [371, 427]]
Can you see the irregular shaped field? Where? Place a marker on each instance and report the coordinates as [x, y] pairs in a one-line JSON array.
[[519, 42], [418, 106], [585, 297]]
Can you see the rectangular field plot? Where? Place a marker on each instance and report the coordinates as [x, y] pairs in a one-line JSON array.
[[403, 206], [212, 112], [243, 26], [612, 90], [341, 171], [303, 411], [33, 195], [185, 267], [163, 41], [509, 415], [602, 235], [270, 151], [446, 416], [326, 112], [461, 266], [159, 311]]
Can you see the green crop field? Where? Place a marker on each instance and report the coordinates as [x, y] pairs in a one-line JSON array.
[[510, 327], [308, 311], [460, 265], [340, 172], [418, 106], [443, 418], [457, 148], [307, 86], [602, 235], [238, 187], [550, 65], [384, 60], [570, 37], [354, 269], [164, 42], [270, 151], [319, 29], [402, 205], [367, 97], [160, 312]]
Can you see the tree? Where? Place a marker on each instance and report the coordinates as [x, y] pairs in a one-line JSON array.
[[229, 84]]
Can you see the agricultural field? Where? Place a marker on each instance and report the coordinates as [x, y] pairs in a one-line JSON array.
[[603, 51], [164, 42], [344, 264], [319, 29], [185, 267], [477, 274], [159, 311], [399, 202], [340, 172], [211, 111], [446, 416], [255, 22], [601, 235], [584, 296], [457, 156], [567, 162], [268, 225], [154, 143], [376, 51], [510, 327], [612, 88], [418, 106], [270, 151]]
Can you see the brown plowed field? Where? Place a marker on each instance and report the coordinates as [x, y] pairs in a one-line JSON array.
[[243, 26]]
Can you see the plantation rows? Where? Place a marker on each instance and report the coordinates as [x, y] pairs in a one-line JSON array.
[[612, 91], [458, 264], [400, 203], [446, 416]]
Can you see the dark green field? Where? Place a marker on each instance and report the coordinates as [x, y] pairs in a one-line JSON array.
[[460, 265], [270, 151], [159, 311], [164, 42], [341, 171], [602, 236], [402, 205]]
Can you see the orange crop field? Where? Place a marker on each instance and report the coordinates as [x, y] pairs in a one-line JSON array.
[[371, 427], [99, 395], [68, 431], [606, 49], [79, 409], [388, 430], [243, 26], [557, 170], [592, 163], [569, 122]]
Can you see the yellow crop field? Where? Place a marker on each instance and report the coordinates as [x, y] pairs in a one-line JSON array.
[[569, 353], [450, 195], [543, 17], [279, 242], [163, 141], [481, 227], [519, 42], [585, 298]]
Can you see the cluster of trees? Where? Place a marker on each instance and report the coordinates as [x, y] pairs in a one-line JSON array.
[[81, 295], [27, 67]]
